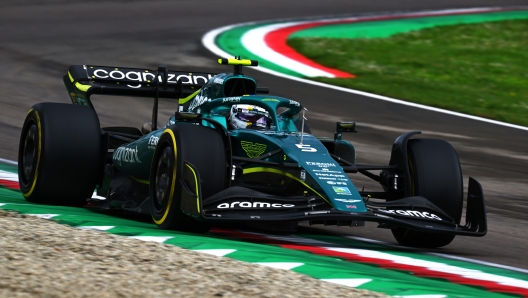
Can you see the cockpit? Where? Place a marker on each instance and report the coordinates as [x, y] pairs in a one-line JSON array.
[[249, 117]]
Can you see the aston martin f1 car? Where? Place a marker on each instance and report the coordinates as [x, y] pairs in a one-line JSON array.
[[232, 153]]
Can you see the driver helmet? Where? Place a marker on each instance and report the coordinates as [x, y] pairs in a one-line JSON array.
[[248, 116]]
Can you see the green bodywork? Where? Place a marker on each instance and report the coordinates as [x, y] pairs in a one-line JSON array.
[[279, 169], [318, 173]]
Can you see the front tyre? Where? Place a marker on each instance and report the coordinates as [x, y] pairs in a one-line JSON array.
[[435, 175], [203, 148], [59, 155]]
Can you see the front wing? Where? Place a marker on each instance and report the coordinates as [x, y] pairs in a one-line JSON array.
[[241, 205]]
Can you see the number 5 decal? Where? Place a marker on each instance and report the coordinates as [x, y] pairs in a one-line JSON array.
[[306, 148]]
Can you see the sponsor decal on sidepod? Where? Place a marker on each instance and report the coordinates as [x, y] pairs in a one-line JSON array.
[[126, 154]]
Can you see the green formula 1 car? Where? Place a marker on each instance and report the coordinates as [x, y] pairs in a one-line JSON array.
[[234, 154]]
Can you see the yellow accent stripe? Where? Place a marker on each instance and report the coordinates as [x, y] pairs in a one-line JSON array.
[[275, 171], [159, 222], [195, 183], [38, 155], [231, 61], [186, 99], [79, 86], [140, 181]]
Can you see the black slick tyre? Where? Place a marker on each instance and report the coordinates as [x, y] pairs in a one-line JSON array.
[[59, 155], [203, 147], [435, 175]]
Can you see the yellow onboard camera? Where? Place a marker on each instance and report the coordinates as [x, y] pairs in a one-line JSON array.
[[237, 63]]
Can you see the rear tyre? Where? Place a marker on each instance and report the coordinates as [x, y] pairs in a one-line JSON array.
[[59, 155], [202, 147], [435, 175]]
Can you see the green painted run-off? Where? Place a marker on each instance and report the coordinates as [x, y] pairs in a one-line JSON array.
[[391, 282], [383, 29]]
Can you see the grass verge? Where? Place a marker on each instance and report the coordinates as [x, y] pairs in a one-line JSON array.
[[478, 69]]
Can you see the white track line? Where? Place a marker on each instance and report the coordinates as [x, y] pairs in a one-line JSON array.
[[349, 282], [9, 162], [253, 40], [158, 239], [208, 40], [4, 175], [280, 265], [44, 216]]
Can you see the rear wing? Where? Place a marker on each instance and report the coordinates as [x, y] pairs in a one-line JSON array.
[[84, 80]]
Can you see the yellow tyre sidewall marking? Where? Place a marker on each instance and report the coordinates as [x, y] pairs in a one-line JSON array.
[[38, 153], [173, 182]]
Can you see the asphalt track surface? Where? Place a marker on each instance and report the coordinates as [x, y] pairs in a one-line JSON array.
[[39, 41]]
